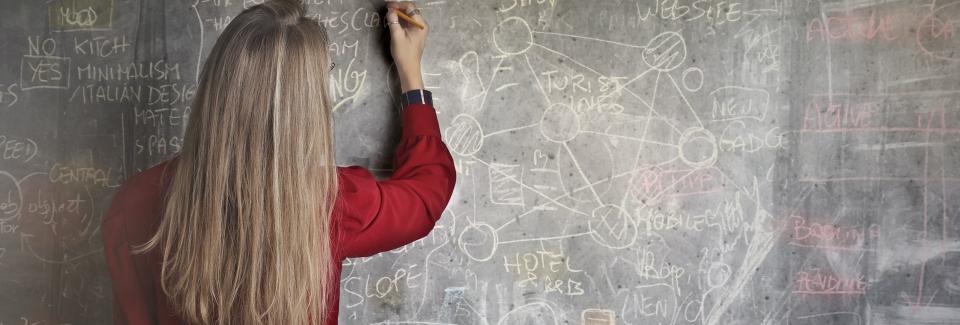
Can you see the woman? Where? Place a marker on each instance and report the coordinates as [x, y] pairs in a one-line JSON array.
[[250, 223]]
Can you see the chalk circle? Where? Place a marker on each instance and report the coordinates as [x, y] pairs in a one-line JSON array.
[[665, 52], [692, 76], [560, 123], [479, 241], [612, 227], [937, 28], [698, 147], [56, 212], [513, 36], [718, 274], [11, 197], [464, 135], [644, 187]]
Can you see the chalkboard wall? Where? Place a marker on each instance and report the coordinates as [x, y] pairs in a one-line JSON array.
[[620, 161]]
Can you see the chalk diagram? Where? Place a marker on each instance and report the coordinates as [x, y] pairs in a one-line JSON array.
[[55, 220], [558, 189]]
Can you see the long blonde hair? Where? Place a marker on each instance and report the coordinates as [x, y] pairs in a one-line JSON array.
[[245, 237]]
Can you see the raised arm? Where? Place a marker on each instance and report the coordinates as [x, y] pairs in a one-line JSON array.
[[378, 216]]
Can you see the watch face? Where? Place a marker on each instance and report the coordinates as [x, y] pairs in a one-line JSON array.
[[418, 96], [414, 97]]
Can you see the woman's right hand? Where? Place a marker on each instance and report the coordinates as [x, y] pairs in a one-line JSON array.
[[406, 44]]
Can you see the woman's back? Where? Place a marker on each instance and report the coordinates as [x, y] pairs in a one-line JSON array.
[[250, 222], [369, 217]]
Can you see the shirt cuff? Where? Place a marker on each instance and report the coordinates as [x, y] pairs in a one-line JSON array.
[[420, 119]]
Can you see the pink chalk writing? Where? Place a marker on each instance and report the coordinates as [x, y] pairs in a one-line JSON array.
[[936, 32], [821, 113], [830, 236], [848, 113], [817, 282], [853, 27], [653, 183]]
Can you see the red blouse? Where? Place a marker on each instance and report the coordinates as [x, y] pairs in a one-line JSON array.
[[369, 217]]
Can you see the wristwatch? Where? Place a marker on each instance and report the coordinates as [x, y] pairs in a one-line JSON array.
[[416, 96]]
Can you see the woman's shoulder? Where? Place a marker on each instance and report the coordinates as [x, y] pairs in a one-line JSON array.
[[151, 179], [140, 195]]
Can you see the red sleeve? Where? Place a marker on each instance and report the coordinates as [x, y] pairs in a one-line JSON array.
[[378, 216], [132, 298]]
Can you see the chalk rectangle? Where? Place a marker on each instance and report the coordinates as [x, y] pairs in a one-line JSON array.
[[735, 103], [598, 317], [506, 184], [68, 15], [44, 72]]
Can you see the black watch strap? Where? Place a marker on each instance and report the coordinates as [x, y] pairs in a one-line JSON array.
[[416, 96]]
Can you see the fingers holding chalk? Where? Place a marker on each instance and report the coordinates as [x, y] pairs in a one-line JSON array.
[[407, 11], [393, 23], [411, 20]]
